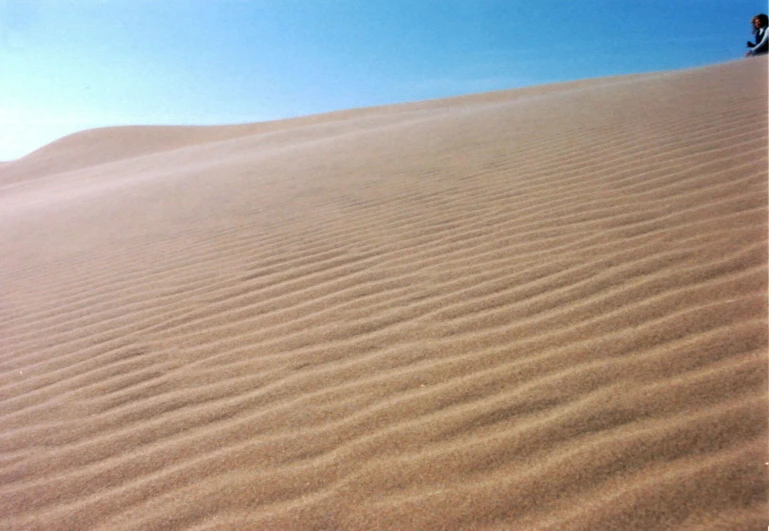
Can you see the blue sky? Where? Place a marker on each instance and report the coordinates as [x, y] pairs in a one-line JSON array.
[[68, 65]]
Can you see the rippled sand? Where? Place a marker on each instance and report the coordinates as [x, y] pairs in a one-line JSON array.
[[537, 309]]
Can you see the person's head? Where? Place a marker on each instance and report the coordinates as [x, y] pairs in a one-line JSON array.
[[760, 21]]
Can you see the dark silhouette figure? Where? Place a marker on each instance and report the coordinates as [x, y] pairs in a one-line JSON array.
[[761, 46]]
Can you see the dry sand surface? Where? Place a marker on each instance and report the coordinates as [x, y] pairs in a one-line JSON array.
[[535, 309]]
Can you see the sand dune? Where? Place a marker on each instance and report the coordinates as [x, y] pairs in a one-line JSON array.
[[535, 309]]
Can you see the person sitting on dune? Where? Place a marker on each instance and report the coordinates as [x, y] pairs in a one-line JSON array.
[[761, 46]]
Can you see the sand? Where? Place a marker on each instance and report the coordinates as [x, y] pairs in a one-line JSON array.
[[535, 309]]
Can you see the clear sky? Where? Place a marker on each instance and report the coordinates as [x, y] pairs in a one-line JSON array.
[[68, 65]]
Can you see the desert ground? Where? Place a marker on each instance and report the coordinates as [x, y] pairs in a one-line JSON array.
[[543, 308]]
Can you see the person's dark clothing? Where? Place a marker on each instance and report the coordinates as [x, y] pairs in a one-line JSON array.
[[761, 46]]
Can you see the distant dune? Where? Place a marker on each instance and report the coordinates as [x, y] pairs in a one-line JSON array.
[[536, 309]]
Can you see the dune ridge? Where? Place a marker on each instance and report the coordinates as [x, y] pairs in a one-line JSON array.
[[534, 309]]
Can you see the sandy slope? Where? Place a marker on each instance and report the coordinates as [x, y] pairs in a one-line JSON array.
[[537, 309]]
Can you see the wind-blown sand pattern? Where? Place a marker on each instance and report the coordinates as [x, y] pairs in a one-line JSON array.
[[537, 309]]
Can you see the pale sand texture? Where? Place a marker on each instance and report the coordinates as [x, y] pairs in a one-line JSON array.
[[536, 309]]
